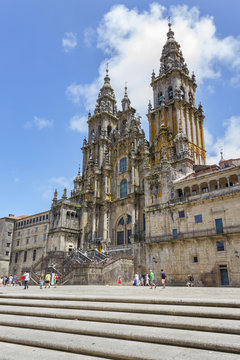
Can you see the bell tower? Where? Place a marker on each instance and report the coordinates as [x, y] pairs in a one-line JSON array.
[[175, 123]]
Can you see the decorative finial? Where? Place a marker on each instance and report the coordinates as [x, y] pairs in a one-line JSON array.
[[169, 22], [64, 196], [221, 153], [170, 33], [125, 87]]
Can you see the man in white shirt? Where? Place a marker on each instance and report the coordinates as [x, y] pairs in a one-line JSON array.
[[26, 280]]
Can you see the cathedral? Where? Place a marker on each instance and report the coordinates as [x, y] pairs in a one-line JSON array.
[[140, 204]]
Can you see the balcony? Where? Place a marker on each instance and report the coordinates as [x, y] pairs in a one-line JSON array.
[[194, 234]]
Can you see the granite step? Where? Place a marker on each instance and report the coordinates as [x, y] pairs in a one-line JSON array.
[[157, 298], [179, 337], [162, 309], [164, 321], [11, 351], [105, 347]]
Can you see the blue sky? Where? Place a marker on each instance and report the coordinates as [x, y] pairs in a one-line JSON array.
[[53, 56]]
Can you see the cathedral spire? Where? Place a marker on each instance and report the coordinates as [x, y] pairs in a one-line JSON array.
[[106, 101]]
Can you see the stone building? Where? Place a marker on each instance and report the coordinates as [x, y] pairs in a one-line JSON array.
[[30, 241], [157, 202], [6, 236]]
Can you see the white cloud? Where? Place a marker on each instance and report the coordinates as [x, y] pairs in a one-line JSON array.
[[132, 41], [78, 123], [69, 41], [228, 143], [39, 123], [89, 36]]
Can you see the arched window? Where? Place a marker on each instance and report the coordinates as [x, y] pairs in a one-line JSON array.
[[123, 188], [121, 221], [129, 219], [123, 164], [170, 93], [160, 98]]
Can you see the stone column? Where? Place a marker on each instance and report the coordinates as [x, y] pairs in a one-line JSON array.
[[84, 225], [94, 225], [198, 135], [189, 136]]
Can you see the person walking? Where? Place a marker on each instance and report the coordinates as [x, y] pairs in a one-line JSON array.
[[152, 283], [119, 280], [26, 279], [163, 278], [47, 280]]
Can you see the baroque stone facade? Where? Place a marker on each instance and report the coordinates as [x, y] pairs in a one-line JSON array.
[[158, 200]]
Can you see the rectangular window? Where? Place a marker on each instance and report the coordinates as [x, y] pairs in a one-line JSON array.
[[175, 234], [36, 219], [195, 259], [16, 257], [17, 242], [205, 190], [44, 237], [123, 164], [34, 254], [8, 244], [36, 229], [27, 222], [24, 222], [40, 218], [9, 233], [25, 256], [46, 217], [27, 241], [30, 221], [198, 219], [45, 227], [220, 245], [43, 217], [144, 222], [19, 233], [219, 226], [35, 238], [7, 253], [33, 220], [120, 237], [181, 214]]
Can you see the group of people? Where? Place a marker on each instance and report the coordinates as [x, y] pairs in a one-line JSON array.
[[9, 280], [149, 279], [45, 280]]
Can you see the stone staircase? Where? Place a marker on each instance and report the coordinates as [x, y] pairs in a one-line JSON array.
[[50, 325]]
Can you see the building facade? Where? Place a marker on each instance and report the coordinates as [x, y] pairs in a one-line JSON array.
[[158, 199]]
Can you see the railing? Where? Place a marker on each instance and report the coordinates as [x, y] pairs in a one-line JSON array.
[[209, 194], [193, 234]]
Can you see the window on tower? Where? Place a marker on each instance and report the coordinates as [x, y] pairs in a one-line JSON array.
[[160, 98], [182, 93], [170, 93], [123, 164], [109, 129], [123, 188]]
